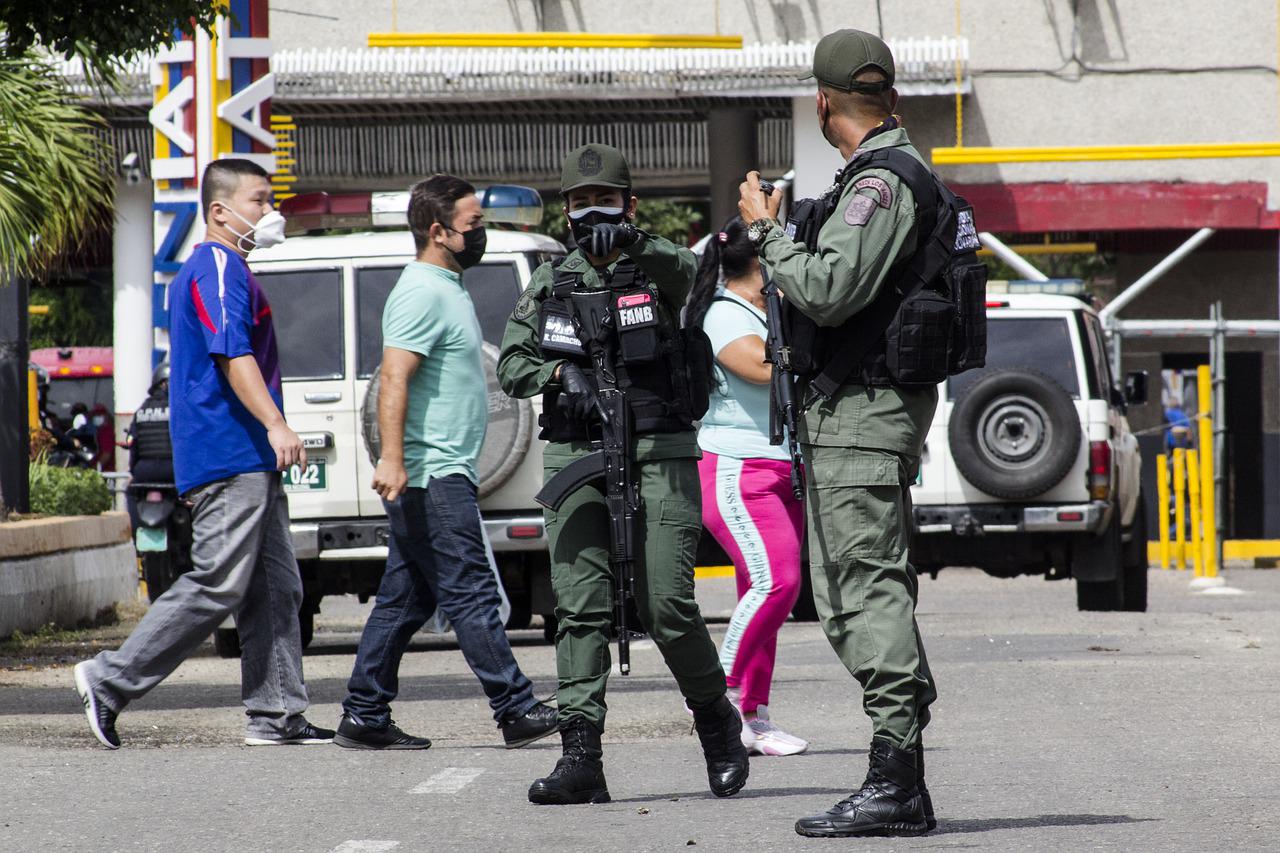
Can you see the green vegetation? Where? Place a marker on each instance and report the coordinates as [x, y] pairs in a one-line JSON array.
[[78, 317], [67, 491]]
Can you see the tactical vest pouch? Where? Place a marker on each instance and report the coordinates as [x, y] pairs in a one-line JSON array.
[[805, 221], [699, 366], [918, 340], [635, 315], [967, 278], [557, 336]]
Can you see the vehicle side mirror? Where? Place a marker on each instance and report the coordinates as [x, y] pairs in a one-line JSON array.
[[1135, 387]]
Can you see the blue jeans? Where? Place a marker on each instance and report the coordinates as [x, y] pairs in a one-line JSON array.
[[436, 558]]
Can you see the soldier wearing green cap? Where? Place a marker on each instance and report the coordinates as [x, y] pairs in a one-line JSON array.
[[542, 354], [862, 443]]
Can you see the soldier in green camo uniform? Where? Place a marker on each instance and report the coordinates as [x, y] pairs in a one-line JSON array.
[[862, 446], [542, 355]]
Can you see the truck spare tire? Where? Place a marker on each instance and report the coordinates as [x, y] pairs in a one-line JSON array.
[[1014, 433], [505, 440]]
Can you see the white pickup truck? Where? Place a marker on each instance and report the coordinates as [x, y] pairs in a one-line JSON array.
[[1030, 467]]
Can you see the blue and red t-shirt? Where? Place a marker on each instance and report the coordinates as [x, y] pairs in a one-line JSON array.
[[217, 307]]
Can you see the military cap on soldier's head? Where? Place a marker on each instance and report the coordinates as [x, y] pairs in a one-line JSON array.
[[843, 55], [595, 165]]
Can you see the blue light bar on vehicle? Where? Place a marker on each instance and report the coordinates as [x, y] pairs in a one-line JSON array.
[[511, 204]]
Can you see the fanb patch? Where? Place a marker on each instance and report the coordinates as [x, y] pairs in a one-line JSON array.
[[527, 305], [635, 311], [590, 163], [861, 207]]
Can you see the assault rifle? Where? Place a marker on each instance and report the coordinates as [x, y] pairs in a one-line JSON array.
[[782, 386], [612, 459]]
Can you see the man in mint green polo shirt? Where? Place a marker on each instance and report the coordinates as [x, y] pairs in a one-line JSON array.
[[432, 413]]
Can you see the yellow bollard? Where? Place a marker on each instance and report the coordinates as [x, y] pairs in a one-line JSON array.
[[1193, 488], [1180, 507], [1162, 501], [1208, 514], [33, 402]]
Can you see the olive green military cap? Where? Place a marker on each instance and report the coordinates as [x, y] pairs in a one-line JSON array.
[[595, 165], [842, 55]]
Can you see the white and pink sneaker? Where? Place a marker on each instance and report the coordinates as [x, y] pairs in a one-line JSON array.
[[762, 737]]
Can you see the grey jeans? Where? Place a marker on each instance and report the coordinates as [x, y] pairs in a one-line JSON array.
[[243, 564]]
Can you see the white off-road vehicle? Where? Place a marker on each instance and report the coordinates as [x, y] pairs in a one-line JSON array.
[[327, 288], [1029, 466]]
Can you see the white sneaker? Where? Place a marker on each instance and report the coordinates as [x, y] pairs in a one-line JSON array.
[[761, 736]]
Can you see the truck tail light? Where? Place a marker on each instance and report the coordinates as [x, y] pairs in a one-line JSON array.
[[524, 531], [1099, 470]]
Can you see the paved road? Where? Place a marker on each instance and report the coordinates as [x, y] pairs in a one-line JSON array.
[[1055, 731]]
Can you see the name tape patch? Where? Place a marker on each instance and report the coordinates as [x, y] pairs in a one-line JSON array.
[[558, 335], [966, 231]]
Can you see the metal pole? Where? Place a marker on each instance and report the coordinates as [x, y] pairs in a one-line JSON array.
[[1154, 274], [15, 443], [132, 340], [1220, 430], [1012, 258]]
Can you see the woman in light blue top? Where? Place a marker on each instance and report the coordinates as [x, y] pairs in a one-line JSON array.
[[747, 502]]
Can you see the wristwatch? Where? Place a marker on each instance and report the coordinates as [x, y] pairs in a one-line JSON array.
[[757, 230]]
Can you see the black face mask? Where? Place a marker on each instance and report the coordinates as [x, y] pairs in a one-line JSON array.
[[473, 245], [580, 221]]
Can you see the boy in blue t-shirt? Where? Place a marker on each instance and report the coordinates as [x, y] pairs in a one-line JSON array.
[[230, 441]]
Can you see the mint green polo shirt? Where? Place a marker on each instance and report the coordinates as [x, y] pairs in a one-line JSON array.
[[430, 313]]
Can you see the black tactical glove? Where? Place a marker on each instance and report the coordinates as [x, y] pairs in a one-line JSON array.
[[577, 398], [604, 237]]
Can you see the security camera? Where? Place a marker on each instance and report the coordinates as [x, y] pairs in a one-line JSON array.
[[130, 169]]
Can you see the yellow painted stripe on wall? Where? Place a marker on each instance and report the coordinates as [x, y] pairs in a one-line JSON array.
[[708, 572], [1232, 549], [556, 39], [1086, 153]]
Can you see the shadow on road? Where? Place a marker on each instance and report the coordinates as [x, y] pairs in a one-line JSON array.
[[1038, 822], [746, 794]]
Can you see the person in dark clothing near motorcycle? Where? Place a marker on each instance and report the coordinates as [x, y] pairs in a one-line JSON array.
[[150, 451]]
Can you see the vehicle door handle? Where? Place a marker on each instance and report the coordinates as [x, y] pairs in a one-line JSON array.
[[323, 397]]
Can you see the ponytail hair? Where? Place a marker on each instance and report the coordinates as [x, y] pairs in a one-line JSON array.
[[729, 254]]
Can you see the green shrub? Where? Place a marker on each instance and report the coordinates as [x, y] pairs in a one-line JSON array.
[[68, 491]]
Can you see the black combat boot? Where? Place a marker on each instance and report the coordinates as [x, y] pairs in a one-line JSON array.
[[926, 802], [579, 774], [720, 730], [889, 802]]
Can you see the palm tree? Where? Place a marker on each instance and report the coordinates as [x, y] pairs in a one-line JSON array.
[[54, 181]]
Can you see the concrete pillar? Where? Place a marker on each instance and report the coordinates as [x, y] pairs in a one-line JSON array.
[[14, 440], [731, 153], [132, 338], [816, 161]]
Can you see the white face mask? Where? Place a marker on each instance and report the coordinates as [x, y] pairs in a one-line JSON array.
[[268, 232]]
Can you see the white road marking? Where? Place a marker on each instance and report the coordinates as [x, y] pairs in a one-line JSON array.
[[365, 846], [450, 780]]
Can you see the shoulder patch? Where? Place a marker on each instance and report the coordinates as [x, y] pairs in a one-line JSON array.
[[527, 305], [861, 207]]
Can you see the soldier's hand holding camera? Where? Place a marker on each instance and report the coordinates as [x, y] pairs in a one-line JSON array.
[[604, 237], [577, 397]]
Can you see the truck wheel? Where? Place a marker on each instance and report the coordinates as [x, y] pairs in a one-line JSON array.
[[549, 626], [1014, 434], [157, 570], [505, 441], [805, 610], [226, 642], [1108, 594], [521, 611], [1135, 561]]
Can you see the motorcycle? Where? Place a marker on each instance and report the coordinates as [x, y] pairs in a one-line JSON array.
[[162, 534]]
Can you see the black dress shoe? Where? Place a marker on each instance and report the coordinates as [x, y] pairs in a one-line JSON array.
[[353, 735], [579, 774], [720, 730], [538, 722], [888, 803]]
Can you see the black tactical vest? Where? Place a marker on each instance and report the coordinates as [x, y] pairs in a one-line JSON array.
[[649, 353], [151, 429]]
